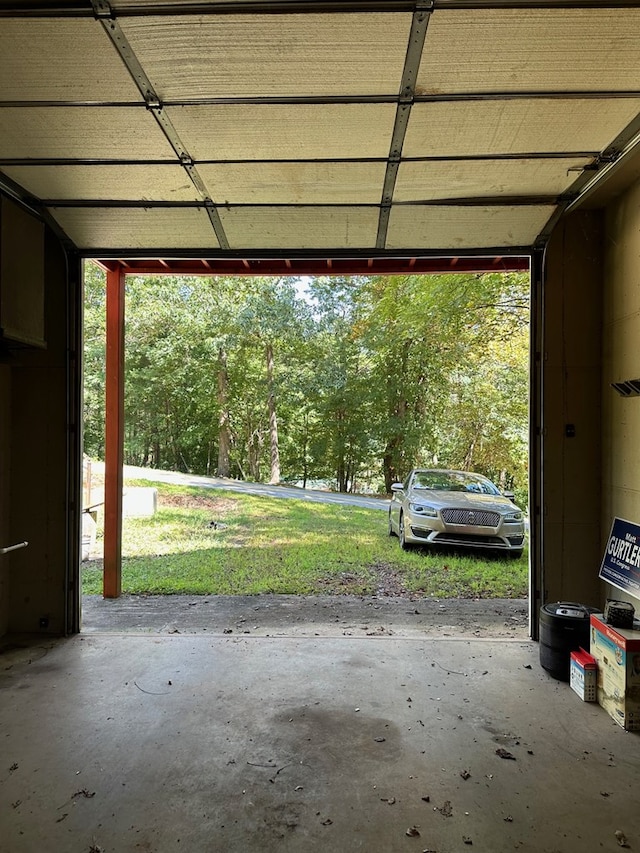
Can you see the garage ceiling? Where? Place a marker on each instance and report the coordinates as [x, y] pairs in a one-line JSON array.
[[242, 129]]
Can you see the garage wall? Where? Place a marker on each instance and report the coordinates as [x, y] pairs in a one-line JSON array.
[[37, 469], [621, 332], [5, 491], [571, 384]]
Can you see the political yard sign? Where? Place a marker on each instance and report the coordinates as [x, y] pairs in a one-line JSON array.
[[621, 563]]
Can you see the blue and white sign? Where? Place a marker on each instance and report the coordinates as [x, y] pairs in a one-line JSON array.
[[621, 564]]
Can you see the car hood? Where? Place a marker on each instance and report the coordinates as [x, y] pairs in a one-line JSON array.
[[462, 500]]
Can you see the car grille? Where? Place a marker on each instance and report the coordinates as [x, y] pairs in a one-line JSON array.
[[471, 518], [469, 539]]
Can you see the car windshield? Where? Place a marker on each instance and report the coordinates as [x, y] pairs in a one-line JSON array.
[[454, 481]]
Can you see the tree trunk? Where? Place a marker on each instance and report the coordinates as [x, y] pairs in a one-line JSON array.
[[224, 433], [341, 472], [254, 445], [468, 459], [273, 421], [398, 409], [305, 451]]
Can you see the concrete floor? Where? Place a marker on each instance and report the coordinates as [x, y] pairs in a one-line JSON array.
[[235, 744], [307, 616]]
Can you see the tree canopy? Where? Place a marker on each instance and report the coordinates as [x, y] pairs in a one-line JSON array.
[[351, 380]]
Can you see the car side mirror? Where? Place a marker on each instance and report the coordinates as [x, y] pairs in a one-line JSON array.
[[396, 487], [510, 495]]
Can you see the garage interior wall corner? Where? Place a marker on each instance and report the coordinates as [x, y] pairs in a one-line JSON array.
[[572, 405], [621, 337], [39, 371]]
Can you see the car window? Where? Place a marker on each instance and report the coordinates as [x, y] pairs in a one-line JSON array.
[[454, 481]]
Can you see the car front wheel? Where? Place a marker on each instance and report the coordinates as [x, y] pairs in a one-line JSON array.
[[401, 535]]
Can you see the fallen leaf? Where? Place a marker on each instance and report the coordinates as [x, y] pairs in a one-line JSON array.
[[503, 753], [379, 739], [466, 839], [426, 799], [390, 800], [508, 819], [465, 774], [83, 793], [413, 832], [621, 838]]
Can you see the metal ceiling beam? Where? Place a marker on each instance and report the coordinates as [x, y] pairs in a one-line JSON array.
[[106, 17], [133, 204], [452, 158], [319, 266], [338, 254], [324, 100], [417, 35], [80, 9]]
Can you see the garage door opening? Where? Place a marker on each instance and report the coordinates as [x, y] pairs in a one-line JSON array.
[[358, 378]]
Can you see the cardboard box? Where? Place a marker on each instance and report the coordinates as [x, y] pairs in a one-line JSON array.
[[617, 653], [583, 675]]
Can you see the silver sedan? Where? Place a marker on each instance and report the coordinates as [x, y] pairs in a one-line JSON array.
[[438, 507]]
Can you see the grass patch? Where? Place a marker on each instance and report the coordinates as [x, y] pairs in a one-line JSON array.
[[206, 541]]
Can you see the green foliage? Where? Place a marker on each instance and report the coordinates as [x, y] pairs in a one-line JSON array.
[[367, 377], [94, 359], [288, 546]]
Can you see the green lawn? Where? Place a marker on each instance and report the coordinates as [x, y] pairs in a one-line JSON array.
[[263, 544]]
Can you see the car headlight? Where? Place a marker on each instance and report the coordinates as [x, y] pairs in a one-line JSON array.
[[421, 509], [513, 516]]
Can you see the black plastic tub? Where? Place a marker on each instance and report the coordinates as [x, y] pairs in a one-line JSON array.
[[564, 628]]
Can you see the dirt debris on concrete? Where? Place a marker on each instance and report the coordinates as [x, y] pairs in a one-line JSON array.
[[307, 615]]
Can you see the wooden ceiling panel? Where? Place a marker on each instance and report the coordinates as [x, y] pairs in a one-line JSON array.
[[487, 127], [132, 182], [305, 54], [70, 59], [437, 227], [284, 131], [300, 227], [294, 183], [81, 132], [557, 50], [448, 179], [159, 228]]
